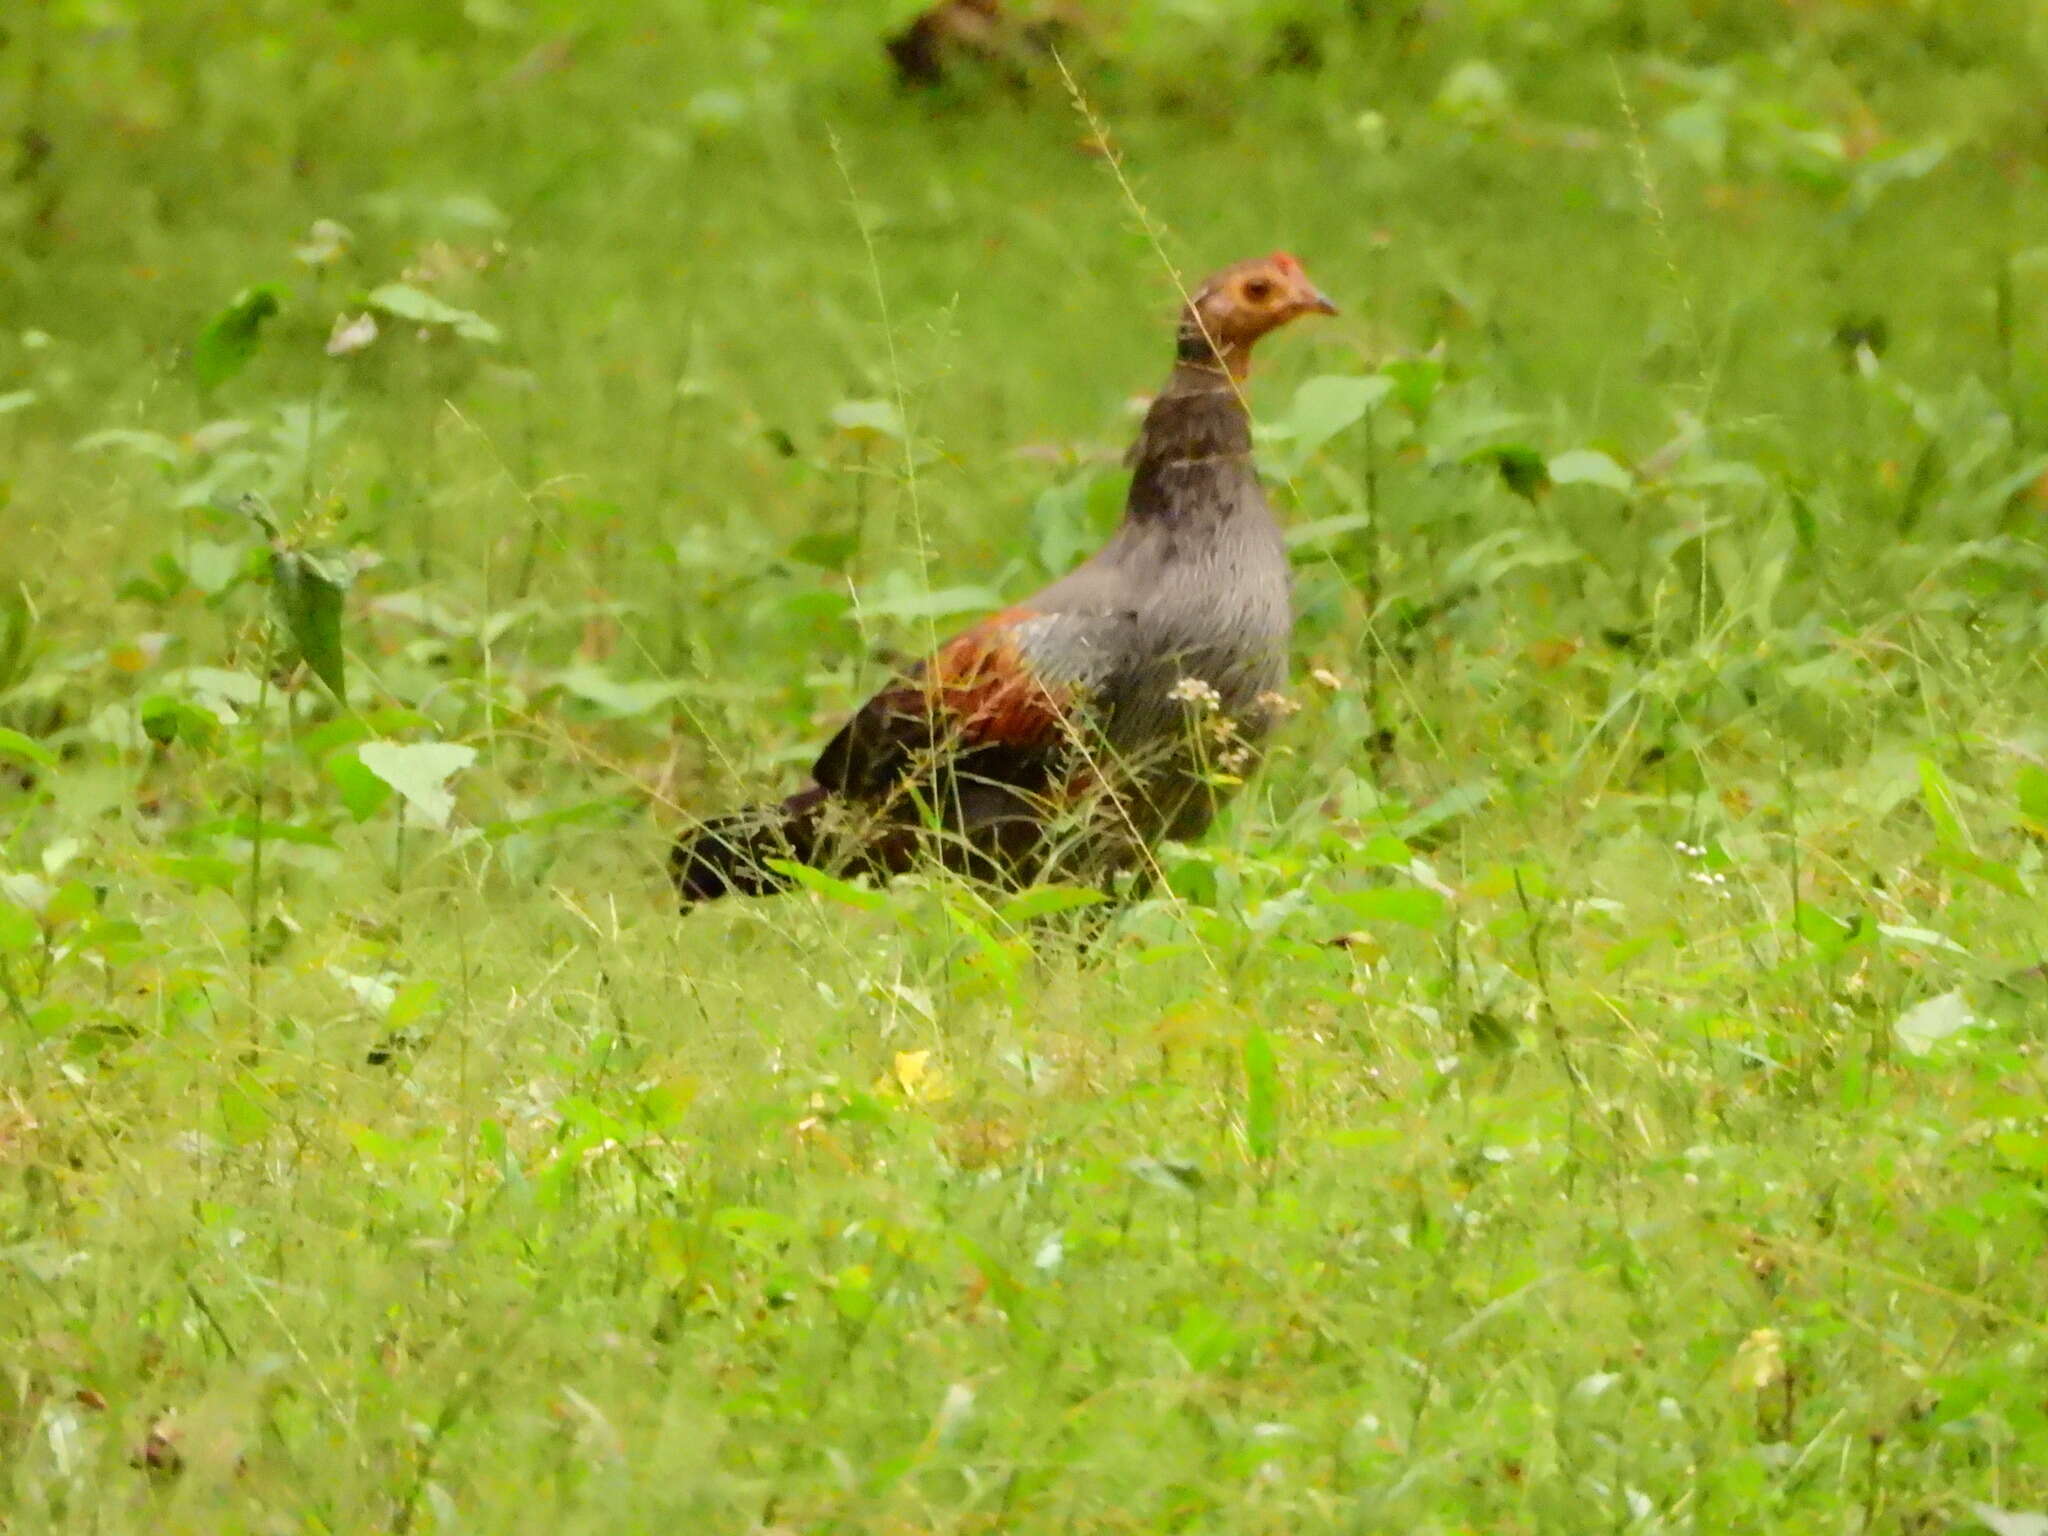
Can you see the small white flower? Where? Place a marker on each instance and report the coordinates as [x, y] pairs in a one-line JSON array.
[[1192, 690], [351, 335], [1279, 705], [325, 244], [1326, 677], [954, 1410]]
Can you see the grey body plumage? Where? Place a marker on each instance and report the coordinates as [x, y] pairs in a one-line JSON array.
[[1121, 704]]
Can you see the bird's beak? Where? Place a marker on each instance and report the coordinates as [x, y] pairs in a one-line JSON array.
[[1316, 302]]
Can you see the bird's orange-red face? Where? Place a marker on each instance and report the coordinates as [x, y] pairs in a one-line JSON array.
[[1241, 303]]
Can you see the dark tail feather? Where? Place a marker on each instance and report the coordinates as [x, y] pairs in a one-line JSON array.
[[728, 855]]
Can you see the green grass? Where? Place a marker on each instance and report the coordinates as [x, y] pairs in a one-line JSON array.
[[1591, 1082]]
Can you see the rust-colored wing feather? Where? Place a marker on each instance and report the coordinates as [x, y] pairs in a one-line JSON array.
[[978, 700]]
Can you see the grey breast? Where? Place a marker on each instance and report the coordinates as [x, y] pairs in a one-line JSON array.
[[1202, 598]]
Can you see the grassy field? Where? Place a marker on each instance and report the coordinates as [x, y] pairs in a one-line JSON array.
[[1592, 1082]]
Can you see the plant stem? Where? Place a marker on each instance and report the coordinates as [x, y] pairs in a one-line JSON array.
[[256, 797]]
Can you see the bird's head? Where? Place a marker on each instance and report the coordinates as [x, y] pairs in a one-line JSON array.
[[1233, 309]]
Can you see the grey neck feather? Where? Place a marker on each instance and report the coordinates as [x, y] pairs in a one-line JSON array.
[[1195, 444]]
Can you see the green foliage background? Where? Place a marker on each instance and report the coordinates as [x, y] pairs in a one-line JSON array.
[[1593, 1079]]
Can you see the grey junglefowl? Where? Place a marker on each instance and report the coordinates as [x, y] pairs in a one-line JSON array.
[[1067, 734], [974, 36], [952, 28]]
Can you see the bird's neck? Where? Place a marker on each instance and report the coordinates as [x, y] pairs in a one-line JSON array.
[[1194, 451]]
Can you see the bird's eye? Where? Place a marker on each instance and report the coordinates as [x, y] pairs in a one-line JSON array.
[[1258, 290]]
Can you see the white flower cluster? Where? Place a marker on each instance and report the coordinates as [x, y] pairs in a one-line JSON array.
[[1713, 880]]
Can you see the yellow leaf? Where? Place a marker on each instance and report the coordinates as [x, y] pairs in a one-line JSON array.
[[913, 1076], [1760, 1362]]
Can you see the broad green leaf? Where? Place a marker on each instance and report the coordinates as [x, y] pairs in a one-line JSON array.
[[1522, 469], [205, 872], [18, 929], [620, 700], [1308, 535], [666, 1243], [1045, 900], [1826, 932], [1939, 797], [1925, 1025], [587, 1115], [375, 1146], [827, 551], [714, 113], [1107, 494], [1170, 1174], [815, 605], [1383, 848], [402, 301], [1261, 1096], [419, 772], [868, 418], [242, 1111], [73, 900], [1738, 473], [412, 1002], [1920, 938], [1414, 905], [151, 445], [2009, 1522], [844, 892], [1417, 381], [26, 890], [1204, 1338], [249, 828], [1326, 406], [1990, 871], [362, 792], [1491, 1033], [1701, 129], [754, 1218], [901, 599], [2033, 794], [997, 955], [2023, 1150], [27, 748], [564, 815], [1621, 953], [309, 595], [373, 992], [229, 340], [1589, 466], [662, 1105], [346, 730], [853, 1292], [1475, 91], [1453, 803], [213, 567]]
